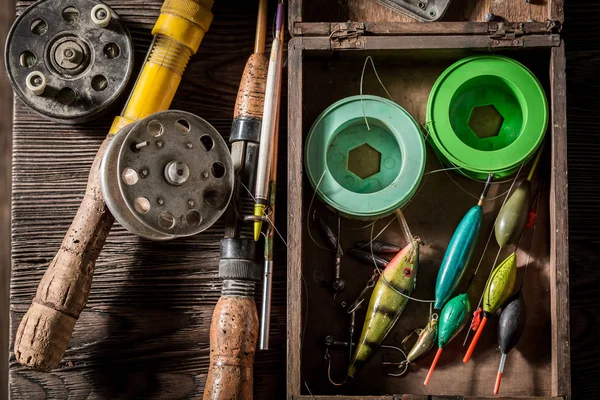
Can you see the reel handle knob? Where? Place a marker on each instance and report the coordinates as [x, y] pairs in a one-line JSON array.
[[46, 328], [233, 335]]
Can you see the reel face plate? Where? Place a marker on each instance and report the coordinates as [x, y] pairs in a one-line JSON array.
[[168, 175], [69, 60]]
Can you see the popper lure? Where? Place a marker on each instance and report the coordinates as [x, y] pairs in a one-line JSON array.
[[387, 302], [459, 251]]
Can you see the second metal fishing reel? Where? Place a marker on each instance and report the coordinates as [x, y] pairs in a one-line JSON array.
[[69, 60], [168, 175]]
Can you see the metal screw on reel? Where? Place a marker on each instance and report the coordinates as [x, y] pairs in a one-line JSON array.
[[69, 61], [168, 175]]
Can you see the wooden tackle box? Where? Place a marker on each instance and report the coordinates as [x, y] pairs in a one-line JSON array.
[[325, 60]]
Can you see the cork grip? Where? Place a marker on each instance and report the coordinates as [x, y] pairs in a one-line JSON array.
[[47, 326], [233, 335], [251, 95]]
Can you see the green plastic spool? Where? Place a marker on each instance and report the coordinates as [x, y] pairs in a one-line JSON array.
[[365, 174], [487, 114]]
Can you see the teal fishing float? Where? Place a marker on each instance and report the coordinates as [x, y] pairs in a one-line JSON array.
[[365, 156], [459, 251], [486, 114]]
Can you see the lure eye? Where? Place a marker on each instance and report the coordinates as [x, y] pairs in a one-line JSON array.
[[407, 272]]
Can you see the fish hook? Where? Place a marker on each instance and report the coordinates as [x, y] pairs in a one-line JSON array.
[[403, 365], [328, 358]]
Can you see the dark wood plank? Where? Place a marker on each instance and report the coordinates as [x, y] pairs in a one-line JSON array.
[[295, 219], [7, 11], [559, 245], [144, 332]]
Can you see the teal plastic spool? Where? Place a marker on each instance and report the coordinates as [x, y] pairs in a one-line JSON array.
[[362, 173], [484, 82]]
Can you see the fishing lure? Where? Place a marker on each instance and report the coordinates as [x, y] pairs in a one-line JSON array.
[[510, 328], [378, 247], [498, 289], [387, 302], [453, 319], [425, 341], [368, 258], [334, 242], [459, 251]]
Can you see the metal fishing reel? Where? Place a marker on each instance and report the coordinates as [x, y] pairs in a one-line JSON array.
[[69, 60], [168, 175]]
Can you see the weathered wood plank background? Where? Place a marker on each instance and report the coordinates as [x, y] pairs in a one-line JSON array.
[[145, 330]]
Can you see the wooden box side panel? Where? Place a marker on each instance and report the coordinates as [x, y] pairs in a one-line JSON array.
[[559, 254], [295, 217]]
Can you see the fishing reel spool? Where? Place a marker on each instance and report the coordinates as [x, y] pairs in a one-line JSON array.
[[69, 61], [168, 175]]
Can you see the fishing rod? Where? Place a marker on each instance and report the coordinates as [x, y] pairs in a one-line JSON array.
[[508, 228], [265, 315], [234, 325], [268, 128], [47, 326]]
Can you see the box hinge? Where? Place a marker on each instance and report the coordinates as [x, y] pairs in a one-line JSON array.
[[506, 34], [347, 35]]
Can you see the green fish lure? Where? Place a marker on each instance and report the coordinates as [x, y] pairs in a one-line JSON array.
[[425, 341], [497, 291], [453, 319], [387, 302]]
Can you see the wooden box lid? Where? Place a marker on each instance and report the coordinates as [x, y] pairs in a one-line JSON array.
[[513, 18]]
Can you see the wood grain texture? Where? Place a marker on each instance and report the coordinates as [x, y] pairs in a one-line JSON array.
[[559, 253], [44, 332], [7, 11], [145, 330], [296, 218]]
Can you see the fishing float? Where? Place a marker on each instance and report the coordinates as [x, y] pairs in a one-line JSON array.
[[507, 229], [454, 314], [268, 127], [459, 251]]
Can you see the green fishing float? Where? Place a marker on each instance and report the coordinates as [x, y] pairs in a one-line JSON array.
[[486, 114]]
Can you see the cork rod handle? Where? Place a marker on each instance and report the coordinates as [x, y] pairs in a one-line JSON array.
[[47, 326], [233, 335]]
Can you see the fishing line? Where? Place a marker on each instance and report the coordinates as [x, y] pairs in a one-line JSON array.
[[362, 75], [272, 223], [309, 392], [532, 241]]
